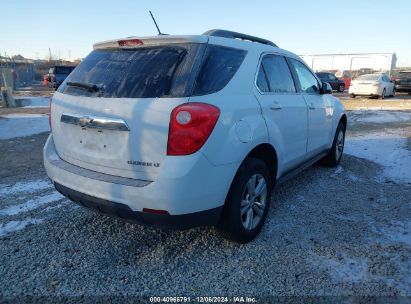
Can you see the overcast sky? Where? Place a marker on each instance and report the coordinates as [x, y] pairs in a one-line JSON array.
[[30, 28]]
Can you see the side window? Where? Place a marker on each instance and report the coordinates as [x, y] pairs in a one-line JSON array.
[[262, 80], [332, 77], [277, 74], [220, 65], [308, 82]]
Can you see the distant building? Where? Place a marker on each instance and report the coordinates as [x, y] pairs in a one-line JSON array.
[[16, 72], [381, 62]]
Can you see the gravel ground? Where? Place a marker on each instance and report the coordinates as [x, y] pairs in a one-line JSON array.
[[342, 231]]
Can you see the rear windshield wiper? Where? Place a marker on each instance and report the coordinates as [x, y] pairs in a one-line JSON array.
[[88, 86]]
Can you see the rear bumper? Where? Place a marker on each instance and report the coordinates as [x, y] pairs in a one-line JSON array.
[[191, 190], [184, 221], [364, 92]]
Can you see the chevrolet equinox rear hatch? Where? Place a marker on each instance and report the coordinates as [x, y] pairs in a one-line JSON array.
[[112, 113]]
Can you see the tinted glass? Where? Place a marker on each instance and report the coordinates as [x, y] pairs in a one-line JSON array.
[[134, 73], [219, 67], [278, 74], [308, 82], [262, 80]]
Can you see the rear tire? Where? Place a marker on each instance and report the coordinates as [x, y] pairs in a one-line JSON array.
[[341, 88], [245, 211], [394, 91], [352, 95], [333, 158]]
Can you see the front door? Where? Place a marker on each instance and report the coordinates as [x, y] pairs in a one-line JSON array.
[[319, 122]]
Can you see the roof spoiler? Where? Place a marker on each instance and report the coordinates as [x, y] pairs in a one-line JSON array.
[[235, 35]]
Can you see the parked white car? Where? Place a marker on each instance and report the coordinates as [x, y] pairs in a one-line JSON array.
[[185, 131], [374, 85]]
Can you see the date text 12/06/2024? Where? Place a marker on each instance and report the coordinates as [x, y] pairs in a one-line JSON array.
[[238, 299]]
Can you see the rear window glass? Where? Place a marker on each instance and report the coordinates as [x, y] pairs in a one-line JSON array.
[[369, 77], [133, 73], [219, 66], [176, 70]]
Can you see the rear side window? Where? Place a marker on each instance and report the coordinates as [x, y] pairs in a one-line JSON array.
[[278, 77], [133, 73], [218, 68], [308, 82]]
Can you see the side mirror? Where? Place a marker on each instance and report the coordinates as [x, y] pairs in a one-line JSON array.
[[325, 88]]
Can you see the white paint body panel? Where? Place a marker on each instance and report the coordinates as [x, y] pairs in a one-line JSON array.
[[368, 87]]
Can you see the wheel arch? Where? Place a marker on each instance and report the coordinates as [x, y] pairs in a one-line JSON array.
[[267, 153]]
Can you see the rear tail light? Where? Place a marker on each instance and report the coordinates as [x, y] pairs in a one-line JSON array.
[[51, 98], [190, 126]]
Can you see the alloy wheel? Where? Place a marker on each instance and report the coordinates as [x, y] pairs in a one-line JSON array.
[[339, 145], [253, 201]]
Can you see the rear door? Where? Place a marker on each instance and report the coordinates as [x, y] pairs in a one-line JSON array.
[[112, 113], [319, 109], [284, 109]]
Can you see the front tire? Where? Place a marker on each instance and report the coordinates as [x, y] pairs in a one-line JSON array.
[[352, 95], [333, 158], [247, 202], [341, 88]]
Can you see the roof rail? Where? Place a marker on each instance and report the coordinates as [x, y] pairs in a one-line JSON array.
[[235, 35]]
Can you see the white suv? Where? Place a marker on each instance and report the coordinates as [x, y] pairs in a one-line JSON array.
[[185, 131]]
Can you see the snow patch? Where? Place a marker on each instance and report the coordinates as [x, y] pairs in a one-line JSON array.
[[354, 177], [338, 170], [19, 125], [13, 226], [398, 232], [27, 187], [31, 204], [37, 102], [387, 149], [344, 269]]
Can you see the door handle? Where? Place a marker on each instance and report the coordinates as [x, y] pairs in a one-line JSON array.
[[311, 106], [275, 106]]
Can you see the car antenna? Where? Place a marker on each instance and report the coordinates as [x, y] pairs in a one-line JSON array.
[[158, 29]]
